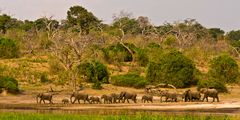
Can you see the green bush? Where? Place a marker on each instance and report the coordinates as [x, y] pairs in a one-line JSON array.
[[8, 48], [117, 53], [129, 80], [172, 68], [212, 83], [9, 83], [44, 78], [142, 57], [170, 40], [224, 68], [94, 70]]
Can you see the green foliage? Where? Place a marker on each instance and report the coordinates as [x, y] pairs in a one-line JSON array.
[[44, 78], [142, 57], [128, 25], [129, 80], [216, 33], [172, 68], [43, 23], [8, 48], [233, 35], [9, 83], [97, 85], [94, 71], [4, 23], [117, 53], [212, 83], [170, 40], [79, 16], [224, 68]]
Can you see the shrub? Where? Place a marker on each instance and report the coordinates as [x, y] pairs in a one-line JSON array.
[[55, 67], [170, 40], [224, 68], [9, 83], [117, 53], [8, 48], [172, 68], [94, 70], [129, 80], [44, 78], [212, 83], [142, 57]]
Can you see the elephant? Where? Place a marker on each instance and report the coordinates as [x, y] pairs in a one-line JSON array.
[[209, 93], [95, 100], [79, 96], [191, 96], [126, 96], [147, 98], [116, 98], [44, 96], [107, 99], [65, 101], [169, 95]]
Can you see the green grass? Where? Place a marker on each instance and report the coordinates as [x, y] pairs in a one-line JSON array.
[[139, 116]]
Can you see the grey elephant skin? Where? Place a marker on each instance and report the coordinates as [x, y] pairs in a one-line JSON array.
[[79, 96], [169, 95], [116, 98], [94, 99], [107, 99], [190, 96], [65, 101], [147, 98], [44, 96], [213, 93], [126, 96]]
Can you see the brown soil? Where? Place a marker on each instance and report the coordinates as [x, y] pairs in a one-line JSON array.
[[27, 101]]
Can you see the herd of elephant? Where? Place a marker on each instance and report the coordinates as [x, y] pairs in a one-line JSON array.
[[170, 96]]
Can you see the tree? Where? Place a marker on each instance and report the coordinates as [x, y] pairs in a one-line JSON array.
[[172, 68], [216, 33], [4, 21], [224, 68], [79, 16], [233, 35]]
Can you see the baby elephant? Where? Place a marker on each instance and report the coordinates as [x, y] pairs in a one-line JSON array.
[[147, 98], [107, 99], [95, 100], [65, 101]]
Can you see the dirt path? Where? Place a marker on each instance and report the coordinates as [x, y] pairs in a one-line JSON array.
[[27, 102]]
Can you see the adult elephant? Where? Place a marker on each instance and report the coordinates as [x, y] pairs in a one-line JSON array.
[[213, 93], [107, 99], [169, 95], [116, 98], [43, 97], [190, 96], [126, 96], [79, 96]]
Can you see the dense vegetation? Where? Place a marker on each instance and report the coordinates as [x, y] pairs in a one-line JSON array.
[[183, 53]]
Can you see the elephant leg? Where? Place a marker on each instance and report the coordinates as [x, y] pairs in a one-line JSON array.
[[217, 99], [207, 99], [127, 100], [161, 99], [78, 101], [74, 101], [43, 101]]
